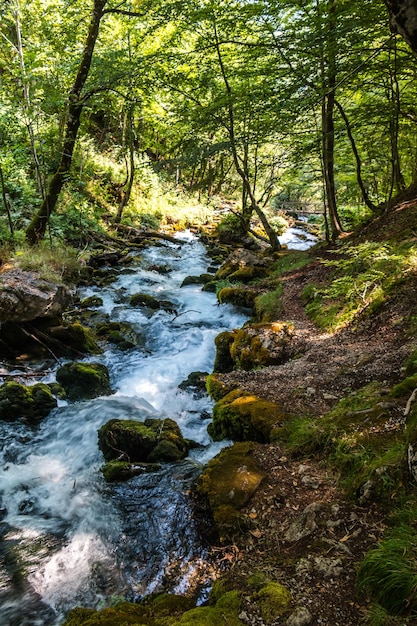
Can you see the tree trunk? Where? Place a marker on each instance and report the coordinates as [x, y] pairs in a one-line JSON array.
[[130, 166], [37, 228], [241, 171], [327, 118], [403, 20], [364, 192]]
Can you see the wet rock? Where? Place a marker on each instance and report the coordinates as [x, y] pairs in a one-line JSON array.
[[241, 260], [29, 402], [227, 484], [143, 299], [239, 296], [196, 383], [118, 471], [70, 338], [153, 440], [24, 296], [92, 301], [243, 417], [223, 361], [84, 380], [202, 279]]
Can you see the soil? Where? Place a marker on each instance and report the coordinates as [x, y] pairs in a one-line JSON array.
[[319, 563]]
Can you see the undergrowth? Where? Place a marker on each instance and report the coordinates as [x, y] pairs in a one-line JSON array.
[[364, 276]]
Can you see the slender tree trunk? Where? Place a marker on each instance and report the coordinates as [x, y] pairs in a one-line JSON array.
[[130, 165], [327, 118], [240, 170], [27, 103], [37, 228], [362, 187], [6, 202]]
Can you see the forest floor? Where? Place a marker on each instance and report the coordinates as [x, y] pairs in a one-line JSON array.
[[306, 533]]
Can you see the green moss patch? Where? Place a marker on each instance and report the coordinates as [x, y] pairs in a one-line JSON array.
[[84, 380], [31, 403], [227, 484], [150, 441]]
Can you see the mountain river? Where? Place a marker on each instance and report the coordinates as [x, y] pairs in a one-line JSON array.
[[66, 537]]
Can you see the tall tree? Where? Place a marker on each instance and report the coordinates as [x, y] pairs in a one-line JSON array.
[[403, 19], [76, 101]]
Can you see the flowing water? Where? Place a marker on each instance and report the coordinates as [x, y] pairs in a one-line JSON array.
[[68, 538]]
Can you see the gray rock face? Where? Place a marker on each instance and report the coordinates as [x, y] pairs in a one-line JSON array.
[[24, 296]]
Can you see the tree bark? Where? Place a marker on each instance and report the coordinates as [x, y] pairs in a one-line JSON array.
[[403, 20], [37, 228]]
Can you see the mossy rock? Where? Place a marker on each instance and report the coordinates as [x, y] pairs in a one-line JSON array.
[[196, 383], [227, 484], [74, 337], [84, 380], [143, 299], [30, 402], [120, 471], [244, 417], [163, 610], [217, 388], [153, 440], [260, 345], [92, 301], [223, 361], [246, 274], [239, 296], [274, 600], [225, 611], [210, 286], [202, 279]]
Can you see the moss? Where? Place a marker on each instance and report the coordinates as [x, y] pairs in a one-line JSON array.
[[143, 299], [92, 301], [268, 305], [239, 296], [260, 345], [148, 441], [118, 471], [227, 484], [223, 361], [216, 388], [75, 337], [225, 611], [273, 600], [31, 403], [84, 380], [248, 273], [244, 417], [121, 615], [405, 387]]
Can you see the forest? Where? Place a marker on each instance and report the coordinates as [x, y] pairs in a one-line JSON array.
[[208, 278], [271, 104]]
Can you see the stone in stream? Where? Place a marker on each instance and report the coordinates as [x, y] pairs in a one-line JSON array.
[[29, 402], [151, 441], [84, 380]]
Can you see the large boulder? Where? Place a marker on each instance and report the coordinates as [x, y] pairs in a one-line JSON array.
[[256, 345], [31, 403], [226, 486], [154, 440], [84, 380], [25, 296], [244, 417]]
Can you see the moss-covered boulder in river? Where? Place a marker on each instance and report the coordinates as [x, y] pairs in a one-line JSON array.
[[258, 345], [227, 484], [32, 403], [84, 380], [244, 417], [154, 440]]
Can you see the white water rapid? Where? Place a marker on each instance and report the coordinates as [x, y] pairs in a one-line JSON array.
[[68, 538]]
